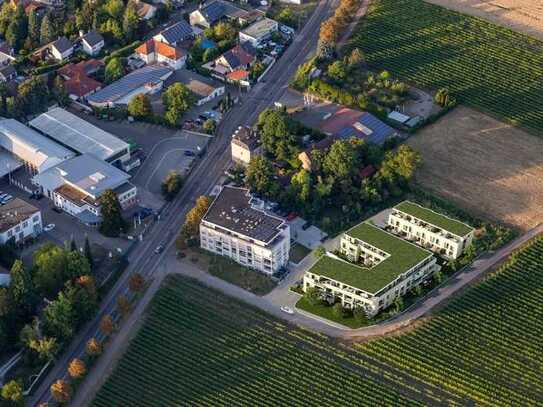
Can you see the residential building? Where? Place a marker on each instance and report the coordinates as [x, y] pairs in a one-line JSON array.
[[145, 11], [153, 51], [61, 49], [177, 33], [92, 43], [31, 149], [5, 277], [78, 81], [7, 73], [77, 185], [204, 89], [306, 156], [443, 235], [234, 228], [245, 145], [7, 53], [373, 268], [210, 13], [238, 59], [146, 80], [259, 32], [19, 221], [81, 136], [346, 123]]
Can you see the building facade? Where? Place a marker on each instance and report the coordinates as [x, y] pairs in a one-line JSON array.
[[431, 230], [372, 270], [245, 145], [233, 228], [19, 221]]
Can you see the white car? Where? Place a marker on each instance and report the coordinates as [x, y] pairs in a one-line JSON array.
[[288, 310], [49, 227]]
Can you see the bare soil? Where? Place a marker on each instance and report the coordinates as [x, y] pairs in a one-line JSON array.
[[490, 168], [520, 15]]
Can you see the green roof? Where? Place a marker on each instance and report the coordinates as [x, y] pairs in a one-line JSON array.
[[429, 216], [403, 256]]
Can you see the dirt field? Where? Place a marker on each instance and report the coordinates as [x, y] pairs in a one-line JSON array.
[[492, 169], [520, 15]]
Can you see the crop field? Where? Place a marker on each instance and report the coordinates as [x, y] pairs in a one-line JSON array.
[[489, 168], [486, 66], [486, 345], [199, 347]]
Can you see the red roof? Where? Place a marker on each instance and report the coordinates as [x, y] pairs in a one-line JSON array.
[[342, 118], [83, 67], [161, 48], [238, 75], [81, 85], [367, 171]]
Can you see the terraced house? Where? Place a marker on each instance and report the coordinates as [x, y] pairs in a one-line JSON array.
[[372, 269], [443, 235], [233, 227]]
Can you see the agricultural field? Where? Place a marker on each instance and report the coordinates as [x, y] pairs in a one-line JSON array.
[[520, 15], [200, 347], [488, 67], [485, 346], [491, 169]]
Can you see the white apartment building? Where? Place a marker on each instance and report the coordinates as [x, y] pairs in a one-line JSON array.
[[373, 269], [443, 235], [233, 228], [245, 145], [19, 221]]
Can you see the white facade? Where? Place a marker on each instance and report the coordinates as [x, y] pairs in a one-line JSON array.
[[94, 49], [18, 222], [432, 237], [219, 91], [266, 258], [258, 32], [61, 56]]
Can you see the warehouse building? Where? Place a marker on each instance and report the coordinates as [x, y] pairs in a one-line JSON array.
[[81, 136]]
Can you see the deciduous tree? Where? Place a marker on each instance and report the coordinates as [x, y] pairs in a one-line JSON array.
[[171, 185], [260, 176], [136, 282], [140, 106], [177, 100], [107, 325], [194, 217], [61, 391], [77, 369], [114, 70], [93, 347], [12, 392]]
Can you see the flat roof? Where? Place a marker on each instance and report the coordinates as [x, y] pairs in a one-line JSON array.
[[436, 219], [31, 146], [402, 257], [78, 134], [260, 28], [196, 83], [15, 212], [231, 210]]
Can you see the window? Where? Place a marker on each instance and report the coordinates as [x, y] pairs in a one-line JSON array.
[[25, 224], [17, 229], [36, 219]]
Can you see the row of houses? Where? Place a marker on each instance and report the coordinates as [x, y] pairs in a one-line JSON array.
[[69, 160]]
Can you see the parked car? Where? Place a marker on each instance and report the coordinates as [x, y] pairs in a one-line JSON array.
[[49, 227], [159, 249], [288, 310], [57, 209], [189, 153]]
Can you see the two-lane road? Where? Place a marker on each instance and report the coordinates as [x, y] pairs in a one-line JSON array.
[[202, 179]]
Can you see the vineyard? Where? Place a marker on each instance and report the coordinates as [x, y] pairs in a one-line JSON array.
[[486, 66], [485, 346], [199, 347]]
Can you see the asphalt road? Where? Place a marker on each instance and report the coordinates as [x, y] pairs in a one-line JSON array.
[[204, 176]]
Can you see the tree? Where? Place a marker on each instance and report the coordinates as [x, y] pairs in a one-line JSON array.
[[136, 282], [337, 71], [438, 277], [60, 318], [77, 369], [47, 31], [33, 28], [130, 22], [338, 310], [61, 391], [356, 58], [73, 245], [398, 304], [177, 99], [33, 95], [260, 176], [171, 185], [319, 252], [46, 348], [339, 161], [60, 92], [6, 15], [17, 28], [191, 226], [112, 220], [49, 269], [21, 289], [114, 8], [114, 70], [140, 106], [87, 252], [93, 348], [12, 392], [209, 126], [400, 164], [313, 296], [107, 325], [124, 306], [276, 133], [360, 315]]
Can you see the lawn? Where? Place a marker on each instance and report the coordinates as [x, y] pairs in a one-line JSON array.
[[298, 253], [485, 66], [326, 312]]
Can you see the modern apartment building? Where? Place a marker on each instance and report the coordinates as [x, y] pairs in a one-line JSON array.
[[373, 268], [443, 235], [234, 228]]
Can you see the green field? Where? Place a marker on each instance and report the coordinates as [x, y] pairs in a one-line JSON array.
[[486, 66], [198, 347]]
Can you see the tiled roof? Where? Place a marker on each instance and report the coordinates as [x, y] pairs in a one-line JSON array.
[[161, 48], [83, 67], [238, 75], [240, 55], [15, 212], [81, 85]]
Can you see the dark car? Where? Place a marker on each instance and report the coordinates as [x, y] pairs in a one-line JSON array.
[[189, 153], [57, 210]]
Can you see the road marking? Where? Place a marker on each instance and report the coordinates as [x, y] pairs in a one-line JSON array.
[[160, 164]]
